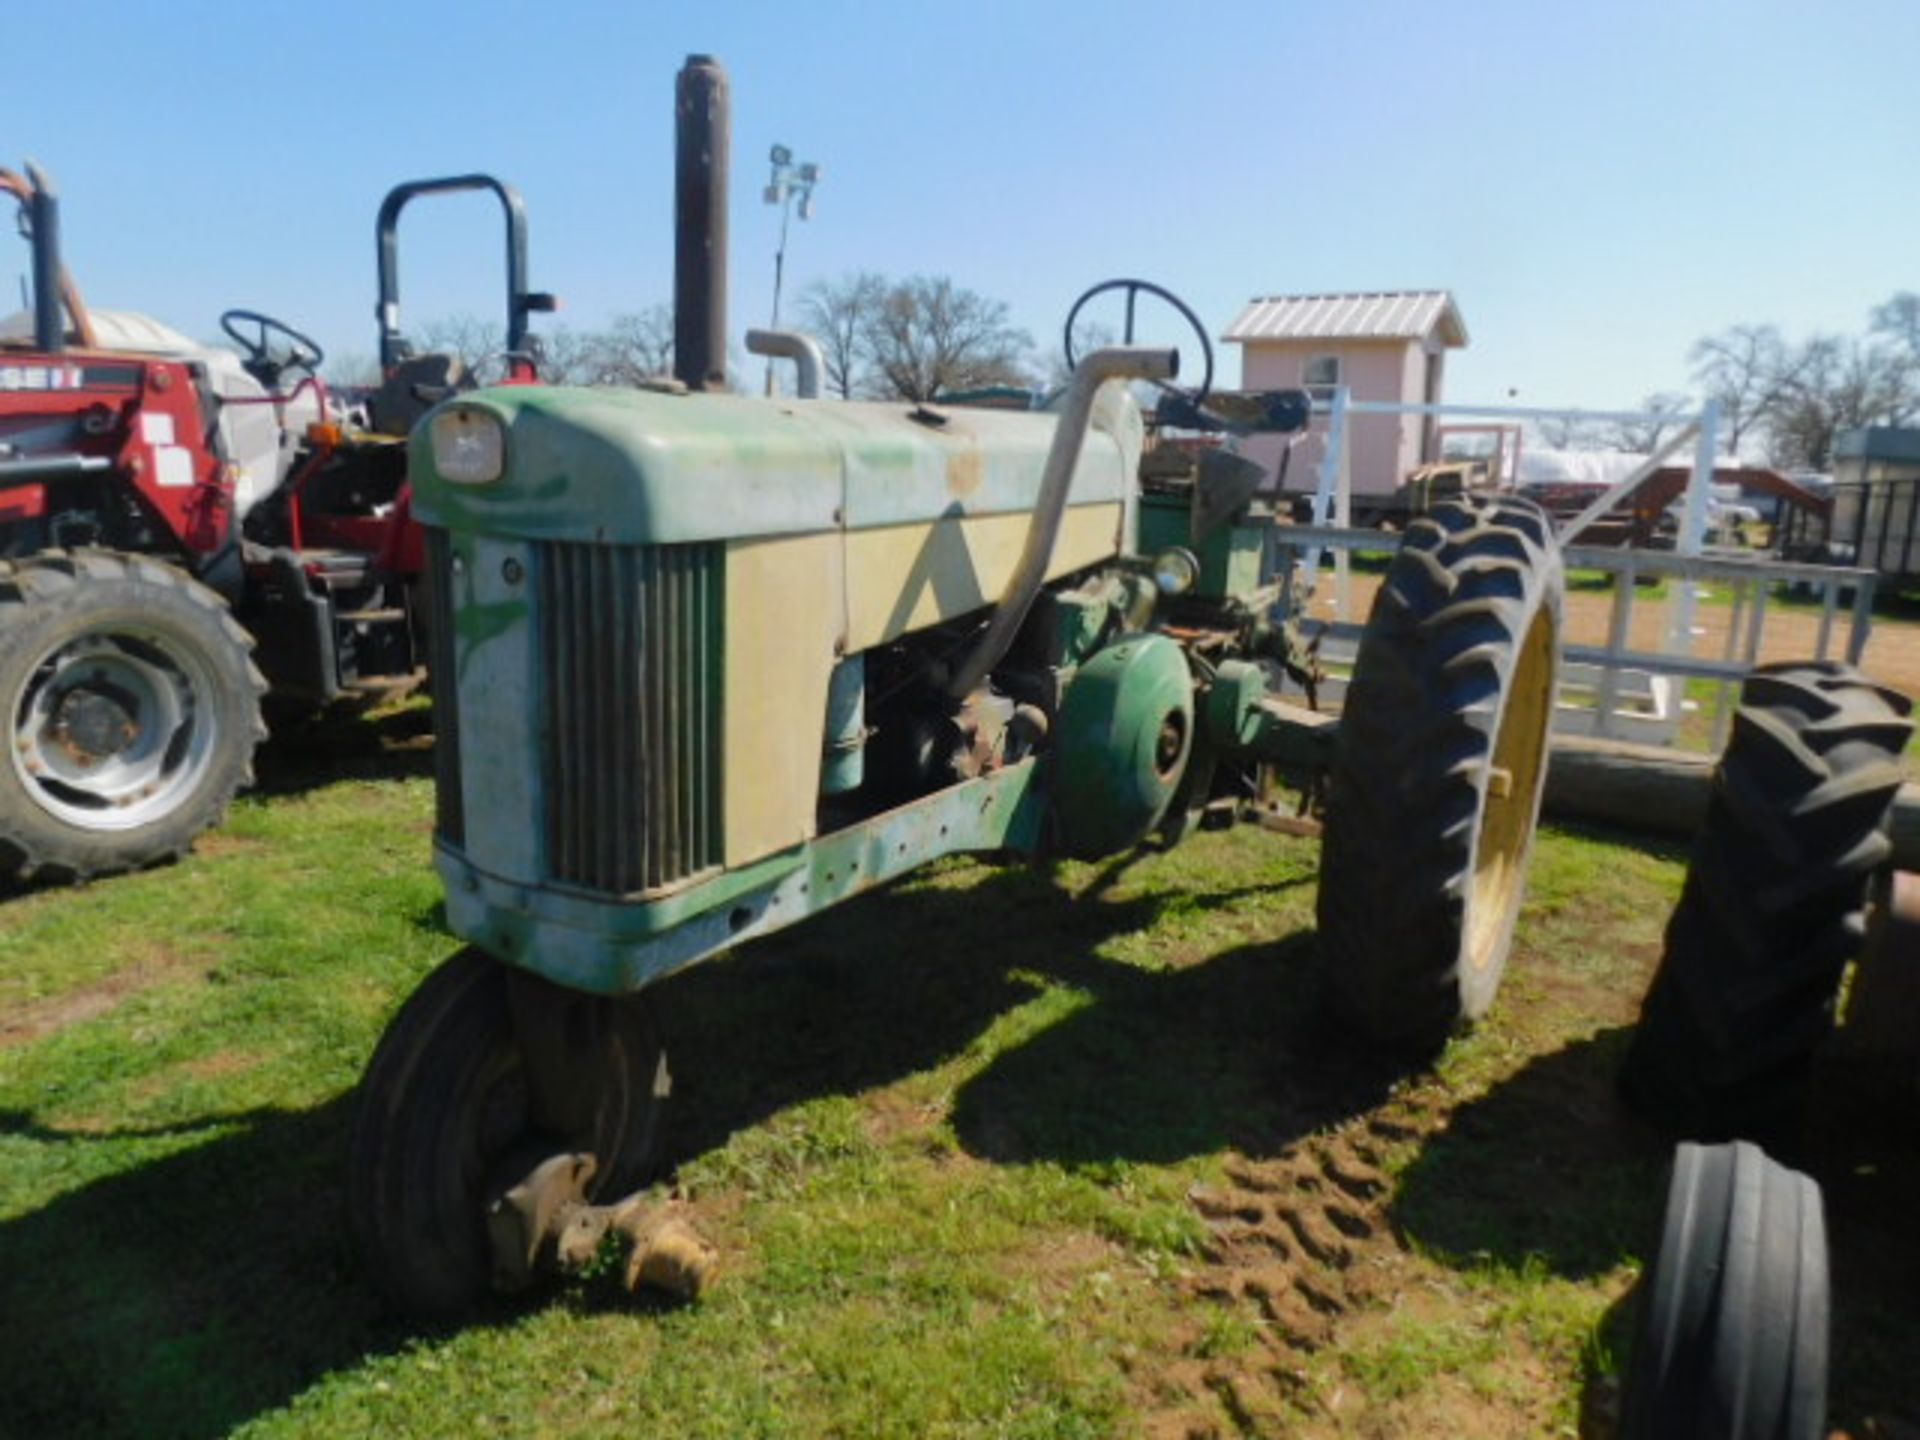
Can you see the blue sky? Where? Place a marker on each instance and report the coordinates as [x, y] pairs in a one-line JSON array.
[[1598, 184]]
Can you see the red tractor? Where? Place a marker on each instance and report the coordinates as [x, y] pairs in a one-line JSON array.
[[173, 515]]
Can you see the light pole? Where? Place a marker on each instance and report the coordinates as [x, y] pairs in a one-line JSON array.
[[789, 180]]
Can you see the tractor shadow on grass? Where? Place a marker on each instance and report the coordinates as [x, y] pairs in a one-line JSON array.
[[302, 753], [1547, 1168], [1230, 1052], [216, 1281], [907, 978], [185, 1295], [1160, 1065]]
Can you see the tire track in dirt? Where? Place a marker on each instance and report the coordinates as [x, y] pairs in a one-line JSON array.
[[1299, 1242]]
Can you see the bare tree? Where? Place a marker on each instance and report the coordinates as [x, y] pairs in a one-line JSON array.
[[469, 337], [1839, 383], [1643, 437], [636, 346], [568, 357], [1569, 432], [1899, 321], [1750, 371], [837, 313], [928, 336]]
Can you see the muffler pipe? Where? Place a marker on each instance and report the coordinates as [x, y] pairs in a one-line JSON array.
[[1118, 362], [702, 135], [803, 350], [49, 330]]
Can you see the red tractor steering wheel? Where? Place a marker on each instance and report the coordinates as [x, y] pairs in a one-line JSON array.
[[260, 362]]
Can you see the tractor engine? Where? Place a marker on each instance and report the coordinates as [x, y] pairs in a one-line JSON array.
[[681, 638]]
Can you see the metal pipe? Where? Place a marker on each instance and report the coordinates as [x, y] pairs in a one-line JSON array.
[[1862, 618], [49, 333], [1119, 362], [1693, 521], [1499, 412], [52, 467], [809, 364], [702, 137]]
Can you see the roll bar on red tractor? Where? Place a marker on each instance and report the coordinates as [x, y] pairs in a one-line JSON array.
[[40, 210], [521, 302]]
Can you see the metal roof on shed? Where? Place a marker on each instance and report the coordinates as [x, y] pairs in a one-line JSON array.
[[1363, 315]]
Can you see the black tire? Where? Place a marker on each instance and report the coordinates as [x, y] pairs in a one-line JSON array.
[[1773, 906], [1734, 1312], [443, 1127], [1424, 859], [133, 710]]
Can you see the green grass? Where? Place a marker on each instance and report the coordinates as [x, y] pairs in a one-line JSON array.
[[944, 1138]]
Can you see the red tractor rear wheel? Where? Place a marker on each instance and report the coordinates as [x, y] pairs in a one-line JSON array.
[[133, 709]]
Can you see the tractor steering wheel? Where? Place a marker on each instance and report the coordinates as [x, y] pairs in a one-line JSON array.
[[260, 362], [1134, 288]]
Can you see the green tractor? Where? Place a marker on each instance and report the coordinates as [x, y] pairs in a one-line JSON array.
[[707, 665]]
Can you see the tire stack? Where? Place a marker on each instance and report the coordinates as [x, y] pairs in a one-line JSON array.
[[1734, 1311], [1774, 904]]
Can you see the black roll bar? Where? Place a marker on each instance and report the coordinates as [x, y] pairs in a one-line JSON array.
[[521, 302]]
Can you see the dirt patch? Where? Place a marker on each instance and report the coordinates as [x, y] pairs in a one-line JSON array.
[[1300, 1247], [887, 1115], [214, 844], [41, 1018]]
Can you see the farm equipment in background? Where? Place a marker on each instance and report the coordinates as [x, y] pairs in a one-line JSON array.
[[173, 515], [707, 665]]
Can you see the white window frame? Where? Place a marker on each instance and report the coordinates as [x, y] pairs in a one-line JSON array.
[[1321, 390]]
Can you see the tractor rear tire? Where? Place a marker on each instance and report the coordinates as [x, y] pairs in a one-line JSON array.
[[1437, 777], [133, 710], [1734, 1311], [1773, 906], [445, 1125]]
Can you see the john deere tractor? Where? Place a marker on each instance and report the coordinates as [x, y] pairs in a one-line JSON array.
[[708, 665]]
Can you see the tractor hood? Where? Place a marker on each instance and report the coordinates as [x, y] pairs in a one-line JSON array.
[[638, 467]]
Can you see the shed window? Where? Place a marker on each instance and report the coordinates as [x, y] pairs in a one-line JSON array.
[[1320, 373]]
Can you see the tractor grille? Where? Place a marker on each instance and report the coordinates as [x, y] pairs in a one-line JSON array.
[[631, 665], [451, 821]]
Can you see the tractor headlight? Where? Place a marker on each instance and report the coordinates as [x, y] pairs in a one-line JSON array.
[[1175, 571], [469, 447]]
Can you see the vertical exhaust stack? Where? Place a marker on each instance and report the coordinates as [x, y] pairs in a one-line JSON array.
[[702, 134], [49, 330]]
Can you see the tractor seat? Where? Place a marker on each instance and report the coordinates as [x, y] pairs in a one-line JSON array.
[[417, 384]]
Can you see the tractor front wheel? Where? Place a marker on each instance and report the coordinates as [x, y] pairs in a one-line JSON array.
[[452, 1115], [1437, 777], [133, 710]]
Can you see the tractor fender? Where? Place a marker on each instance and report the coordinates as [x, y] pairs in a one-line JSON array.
[[1121, 746]]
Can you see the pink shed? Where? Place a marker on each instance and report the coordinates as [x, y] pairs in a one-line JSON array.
[[1382, 345]]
